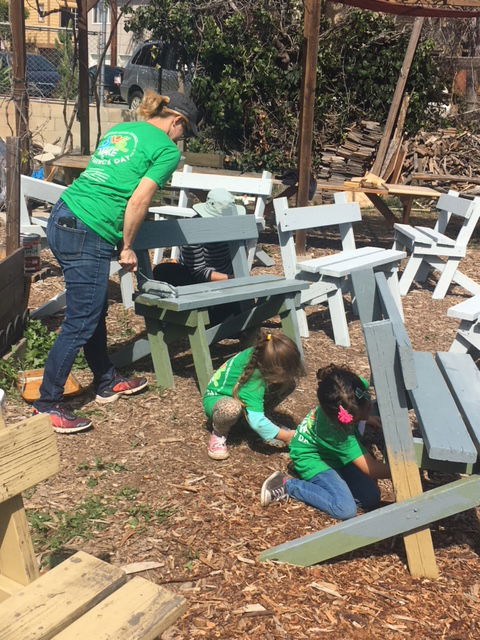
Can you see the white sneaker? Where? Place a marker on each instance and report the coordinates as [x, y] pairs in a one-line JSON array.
[[273, 489], [217, 447]]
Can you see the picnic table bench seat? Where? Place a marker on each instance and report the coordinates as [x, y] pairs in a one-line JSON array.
[[467, 338], [184, 314], [443, 389], [83, 596]]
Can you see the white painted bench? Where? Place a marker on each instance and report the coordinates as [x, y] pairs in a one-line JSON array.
[[50, 192], [444, 391], [329, 275], [187, 180], [82, 597], [467, 338], [439, 248]]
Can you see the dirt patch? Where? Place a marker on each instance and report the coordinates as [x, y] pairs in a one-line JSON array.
[[149, 492]]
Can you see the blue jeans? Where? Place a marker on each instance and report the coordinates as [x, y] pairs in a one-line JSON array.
[[85, 261], [337, 492]]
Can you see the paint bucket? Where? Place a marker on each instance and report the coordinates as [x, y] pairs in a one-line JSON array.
[[31, 251]]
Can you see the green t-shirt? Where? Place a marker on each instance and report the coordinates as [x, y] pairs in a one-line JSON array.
[[128, 152], [320, 444], [223, 381]]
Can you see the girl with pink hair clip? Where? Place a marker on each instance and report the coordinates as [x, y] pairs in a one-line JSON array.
[[336, 473]]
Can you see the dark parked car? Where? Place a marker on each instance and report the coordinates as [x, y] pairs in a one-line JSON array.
[[111, 81], [41, 76], [153, 65]]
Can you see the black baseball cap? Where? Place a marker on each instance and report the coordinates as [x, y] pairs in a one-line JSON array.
[[185, 107]]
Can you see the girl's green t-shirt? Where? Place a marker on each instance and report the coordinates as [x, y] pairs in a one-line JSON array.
[[128, 152], [223, 381], [320, 444]]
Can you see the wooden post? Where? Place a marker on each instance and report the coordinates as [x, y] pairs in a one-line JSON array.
[[113, 32], [83, 79], [12, 239], [20, 95], [307, 100], [398, 95]]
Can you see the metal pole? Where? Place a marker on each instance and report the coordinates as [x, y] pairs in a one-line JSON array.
[[307, 100]]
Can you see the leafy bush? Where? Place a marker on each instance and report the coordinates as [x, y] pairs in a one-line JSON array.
[[248, 68]]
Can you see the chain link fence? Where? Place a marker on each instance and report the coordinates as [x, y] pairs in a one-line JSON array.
[[52, 64]]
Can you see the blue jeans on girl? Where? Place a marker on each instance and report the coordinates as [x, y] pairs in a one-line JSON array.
[[85, 261], [337, 492]]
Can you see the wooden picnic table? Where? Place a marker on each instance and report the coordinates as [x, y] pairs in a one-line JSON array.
[[378, 196]]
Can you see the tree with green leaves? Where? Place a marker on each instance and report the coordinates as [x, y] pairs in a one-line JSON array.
[[246, 56]]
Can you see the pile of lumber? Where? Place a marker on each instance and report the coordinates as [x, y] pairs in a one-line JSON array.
[[354, 156], [447, 158]]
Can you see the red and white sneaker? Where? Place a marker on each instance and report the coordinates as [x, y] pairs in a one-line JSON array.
[[217, 447], [65, 421], [120, 386]]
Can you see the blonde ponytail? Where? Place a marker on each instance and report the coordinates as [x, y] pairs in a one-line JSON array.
[[154, 105]]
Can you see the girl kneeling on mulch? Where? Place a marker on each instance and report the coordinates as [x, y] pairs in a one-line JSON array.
[[336, 472], [262, 375]]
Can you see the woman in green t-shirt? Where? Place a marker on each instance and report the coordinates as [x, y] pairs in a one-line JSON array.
[[100, 212], [336, 472]]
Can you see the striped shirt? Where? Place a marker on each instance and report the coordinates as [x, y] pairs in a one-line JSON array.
[[203, 259]]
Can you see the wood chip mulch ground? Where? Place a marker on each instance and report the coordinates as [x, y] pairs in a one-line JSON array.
[[201, 520]]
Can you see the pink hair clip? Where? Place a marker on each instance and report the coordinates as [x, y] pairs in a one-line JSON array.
[[343, 416]]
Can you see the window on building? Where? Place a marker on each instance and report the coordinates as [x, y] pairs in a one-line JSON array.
[[98, 10], [68, 18]]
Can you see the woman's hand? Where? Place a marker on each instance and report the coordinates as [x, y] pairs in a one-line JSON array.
[[128, 259]]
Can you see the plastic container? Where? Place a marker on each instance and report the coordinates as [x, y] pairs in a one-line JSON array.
[[31, 247], [28, 383]]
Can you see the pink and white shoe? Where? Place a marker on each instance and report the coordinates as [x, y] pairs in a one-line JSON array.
[[217, 447]]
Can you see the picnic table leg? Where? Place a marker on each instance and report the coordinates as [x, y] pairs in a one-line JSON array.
[[289, 318], [200, 352], [383, 207], [407, 202], [160, 356], [338, 318], [413, 265]]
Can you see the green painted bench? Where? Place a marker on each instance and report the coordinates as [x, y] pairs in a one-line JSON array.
[[444, 391], [185, 313]]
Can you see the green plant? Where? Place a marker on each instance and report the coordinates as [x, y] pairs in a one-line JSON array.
[[247, 63], [39, 340], [53, 529], [67, 67]]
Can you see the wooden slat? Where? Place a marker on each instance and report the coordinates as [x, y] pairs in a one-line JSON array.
[[235, 294], [404, 346], [210, 287], [346, 262], [295, 218], [28, 455], [466, 310], [401, 517], [455, 204], [176, 233], [441, 424], [392, 402], [140, 610], [463, 379], [56, 599], [234, 184]]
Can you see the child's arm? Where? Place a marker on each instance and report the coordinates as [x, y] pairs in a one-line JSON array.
[[266, 429], [371, 466]]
